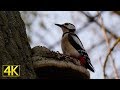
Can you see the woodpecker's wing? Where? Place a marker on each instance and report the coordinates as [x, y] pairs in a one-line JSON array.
[[77, 44]]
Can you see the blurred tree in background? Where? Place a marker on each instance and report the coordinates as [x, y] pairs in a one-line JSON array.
[[98, 31]]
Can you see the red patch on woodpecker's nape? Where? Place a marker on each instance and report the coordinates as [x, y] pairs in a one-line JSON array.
[[82, 60]]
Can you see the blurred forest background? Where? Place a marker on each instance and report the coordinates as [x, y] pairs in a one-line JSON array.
[[99, 32]]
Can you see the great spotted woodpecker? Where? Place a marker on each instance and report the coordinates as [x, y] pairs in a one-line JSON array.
[[72, 46]]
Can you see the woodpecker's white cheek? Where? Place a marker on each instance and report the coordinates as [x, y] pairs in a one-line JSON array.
[[70, 26]]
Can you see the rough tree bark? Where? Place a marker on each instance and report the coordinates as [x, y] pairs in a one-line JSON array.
[[14, 46], [39, 62]]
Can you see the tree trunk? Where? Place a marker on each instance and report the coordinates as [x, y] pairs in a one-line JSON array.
[[14, 46]]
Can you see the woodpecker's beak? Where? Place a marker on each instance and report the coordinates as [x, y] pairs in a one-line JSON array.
[[59, 25]]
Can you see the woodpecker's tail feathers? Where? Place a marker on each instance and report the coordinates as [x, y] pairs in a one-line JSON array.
[[90, 67]]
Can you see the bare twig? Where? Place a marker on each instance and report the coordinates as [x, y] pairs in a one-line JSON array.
[[100, 63], [108, 45], [117, 41], [93, 19]]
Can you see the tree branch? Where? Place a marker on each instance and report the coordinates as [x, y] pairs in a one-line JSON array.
[[51, 65], [108, 44], [116, 42], [93, 19]]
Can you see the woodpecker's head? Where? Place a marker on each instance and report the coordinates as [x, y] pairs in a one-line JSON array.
[[67, 27]]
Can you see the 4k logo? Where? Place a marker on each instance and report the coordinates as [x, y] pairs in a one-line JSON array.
[[10, 70]]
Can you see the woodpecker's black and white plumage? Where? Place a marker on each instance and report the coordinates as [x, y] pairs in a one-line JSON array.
[[72, 46]]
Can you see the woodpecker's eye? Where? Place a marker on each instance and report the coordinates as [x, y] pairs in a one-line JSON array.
[[66, 24]]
